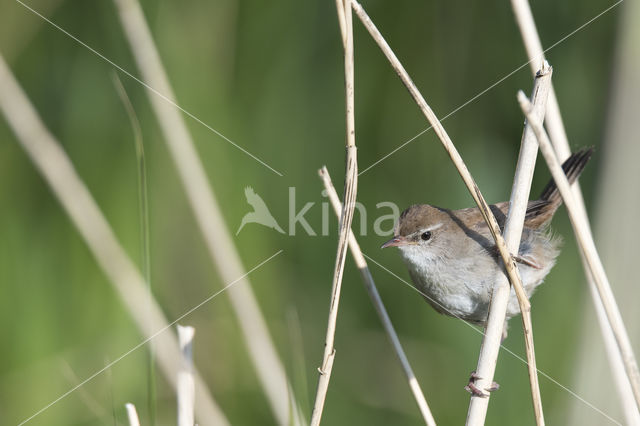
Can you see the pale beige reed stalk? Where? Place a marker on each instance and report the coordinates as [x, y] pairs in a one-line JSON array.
[[617, 245], [492, 338], [53, 163], [614, 330], [261, 349], [132, 414], [371, 288], [585, 241], [186, 389], [508, 261], [350, 191], [553, 119], [448, 145]]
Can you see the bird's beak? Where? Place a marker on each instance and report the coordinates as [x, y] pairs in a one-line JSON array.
[[395, 242]]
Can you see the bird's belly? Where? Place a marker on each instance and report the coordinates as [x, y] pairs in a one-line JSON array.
[[454, 297]]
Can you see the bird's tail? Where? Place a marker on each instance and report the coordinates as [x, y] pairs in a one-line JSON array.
[[573, 167]]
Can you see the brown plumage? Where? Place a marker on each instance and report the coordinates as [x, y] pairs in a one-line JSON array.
[[451, 254], [539, 212]]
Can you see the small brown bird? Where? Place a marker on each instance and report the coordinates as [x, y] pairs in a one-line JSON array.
[[452, 258]]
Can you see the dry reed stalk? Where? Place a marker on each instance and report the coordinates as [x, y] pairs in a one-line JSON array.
[[560, 142], [224, 255], [553, 119], [371, 288], [508, 261], [185, 391], [55, 166], [132, 414], [512, 233], [587, 245], [510, 265], [350, 191], [617, 244], [621, 381]]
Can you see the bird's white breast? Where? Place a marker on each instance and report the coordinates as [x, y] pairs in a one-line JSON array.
[[462, 286]]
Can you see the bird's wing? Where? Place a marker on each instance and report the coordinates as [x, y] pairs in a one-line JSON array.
[[535, 209], [474, 219]]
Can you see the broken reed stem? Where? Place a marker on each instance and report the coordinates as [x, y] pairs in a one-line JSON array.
[[132, 414], [514, 225], [56, 167], [185, 392], [350, 190], [222, 250], [371, 288], [557, 133], [587, 245]]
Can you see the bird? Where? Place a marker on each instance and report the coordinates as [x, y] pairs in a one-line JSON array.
[[260, 213], [452, 258]]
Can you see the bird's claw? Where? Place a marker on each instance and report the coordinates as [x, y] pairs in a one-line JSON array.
[[474, 390], [494, 387]]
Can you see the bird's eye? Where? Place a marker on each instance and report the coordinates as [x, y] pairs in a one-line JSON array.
[[426, 236]]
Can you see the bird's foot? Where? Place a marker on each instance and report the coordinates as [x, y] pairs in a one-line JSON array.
[[527, 260], [474, 390]]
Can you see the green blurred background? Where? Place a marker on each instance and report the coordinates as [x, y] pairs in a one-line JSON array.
[[269, 76]]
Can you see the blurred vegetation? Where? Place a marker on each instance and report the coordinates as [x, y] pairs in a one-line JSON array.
[[269, 76]]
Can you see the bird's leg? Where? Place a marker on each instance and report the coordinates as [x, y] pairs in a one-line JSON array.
[[474, 390], [523, 259], [526, 260]]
